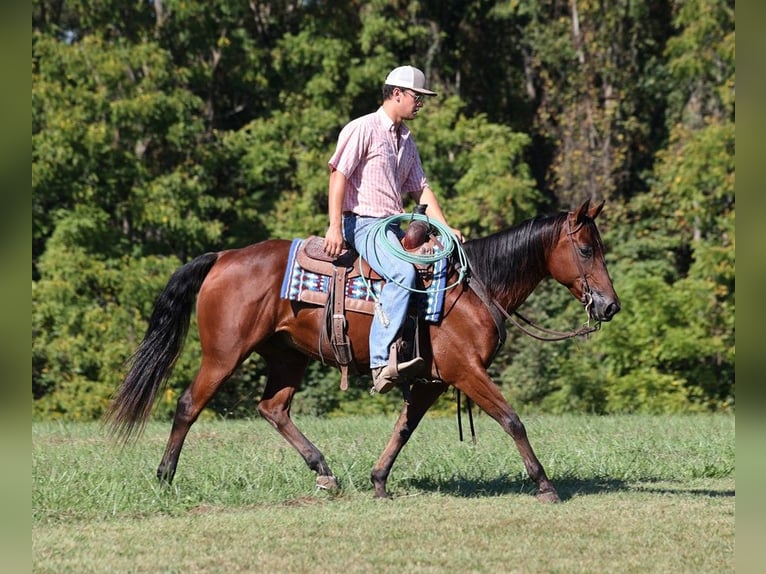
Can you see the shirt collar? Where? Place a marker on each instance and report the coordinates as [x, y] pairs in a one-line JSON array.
[[388, 123]]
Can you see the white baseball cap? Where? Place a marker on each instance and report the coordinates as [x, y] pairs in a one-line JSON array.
[[409, 77]]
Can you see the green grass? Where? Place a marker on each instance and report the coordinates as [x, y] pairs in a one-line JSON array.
[[641, 494]]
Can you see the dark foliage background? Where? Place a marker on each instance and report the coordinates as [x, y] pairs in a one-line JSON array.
[[164, 129]]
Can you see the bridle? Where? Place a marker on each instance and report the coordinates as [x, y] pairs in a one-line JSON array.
[[587, 293], [527, 326], [550, 334]]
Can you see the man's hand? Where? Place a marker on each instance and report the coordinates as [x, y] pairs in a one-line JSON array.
[[458, 234], [333, 241]]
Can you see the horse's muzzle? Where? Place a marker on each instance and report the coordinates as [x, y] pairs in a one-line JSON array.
[[603, 308]]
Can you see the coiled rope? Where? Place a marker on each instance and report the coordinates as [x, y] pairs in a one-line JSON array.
[[449, 242]]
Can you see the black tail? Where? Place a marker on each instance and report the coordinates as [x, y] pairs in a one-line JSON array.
[[153, 361]]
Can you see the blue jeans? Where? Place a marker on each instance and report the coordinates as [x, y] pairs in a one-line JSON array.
[[393, 299]]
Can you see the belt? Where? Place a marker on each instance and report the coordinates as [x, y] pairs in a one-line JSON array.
[[352, 214]]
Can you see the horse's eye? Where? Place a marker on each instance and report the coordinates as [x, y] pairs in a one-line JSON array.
[[586, 251]]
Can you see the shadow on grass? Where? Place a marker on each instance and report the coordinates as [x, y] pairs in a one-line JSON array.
[[727, 493], [566, 487]]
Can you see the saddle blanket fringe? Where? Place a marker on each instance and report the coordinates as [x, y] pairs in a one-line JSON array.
[[299, 282]]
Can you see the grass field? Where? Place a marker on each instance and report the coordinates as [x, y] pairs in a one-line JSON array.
[[640, 494]]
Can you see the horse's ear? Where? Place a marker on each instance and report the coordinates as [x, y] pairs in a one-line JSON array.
[[585, 210], [581, 211], [595, 210]]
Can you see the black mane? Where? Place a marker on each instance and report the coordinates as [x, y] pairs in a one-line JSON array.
[[505, 258]]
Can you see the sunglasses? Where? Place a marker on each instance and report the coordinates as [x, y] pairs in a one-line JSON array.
[[415, 96]]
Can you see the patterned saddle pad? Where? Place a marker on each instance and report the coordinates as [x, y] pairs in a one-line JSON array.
[[312, 287]]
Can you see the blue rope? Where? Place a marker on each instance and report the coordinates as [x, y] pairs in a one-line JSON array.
[[447, 238]]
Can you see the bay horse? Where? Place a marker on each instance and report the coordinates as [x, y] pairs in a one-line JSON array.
[[240, 311]]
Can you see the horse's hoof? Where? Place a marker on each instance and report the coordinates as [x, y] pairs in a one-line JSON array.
[[164, 478], [327, 483], [381, 494], [549, 496]]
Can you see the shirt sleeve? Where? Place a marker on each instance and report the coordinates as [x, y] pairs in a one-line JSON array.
[[350, 149]]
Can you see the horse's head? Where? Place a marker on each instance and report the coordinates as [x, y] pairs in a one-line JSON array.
[[577, 262]]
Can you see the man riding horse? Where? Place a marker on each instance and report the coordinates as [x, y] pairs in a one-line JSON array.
[[375, 163]]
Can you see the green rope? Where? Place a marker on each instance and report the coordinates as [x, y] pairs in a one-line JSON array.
[[447, 238]]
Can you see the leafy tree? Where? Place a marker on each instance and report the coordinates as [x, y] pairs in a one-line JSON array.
[[88, 315], [595, 72], [162, 130], [676, 249]]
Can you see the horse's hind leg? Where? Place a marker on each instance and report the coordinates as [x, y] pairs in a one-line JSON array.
[[209, 378], [285, 372], [422, 396]]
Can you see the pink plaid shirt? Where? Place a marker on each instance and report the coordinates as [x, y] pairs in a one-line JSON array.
[[378, 171]]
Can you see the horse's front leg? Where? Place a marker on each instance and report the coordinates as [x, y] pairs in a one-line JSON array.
[[422, 396], [283, 378], [487, 396]]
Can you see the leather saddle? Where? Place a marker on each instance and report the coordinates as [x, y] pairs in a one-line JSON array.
[[311, 257]]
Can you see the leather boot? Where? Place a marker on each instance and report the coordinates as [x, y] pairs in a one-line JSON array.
[[386, 378]]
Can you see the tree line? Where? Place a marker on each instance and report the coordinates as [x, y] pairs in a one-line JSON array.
[[164, 129]]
